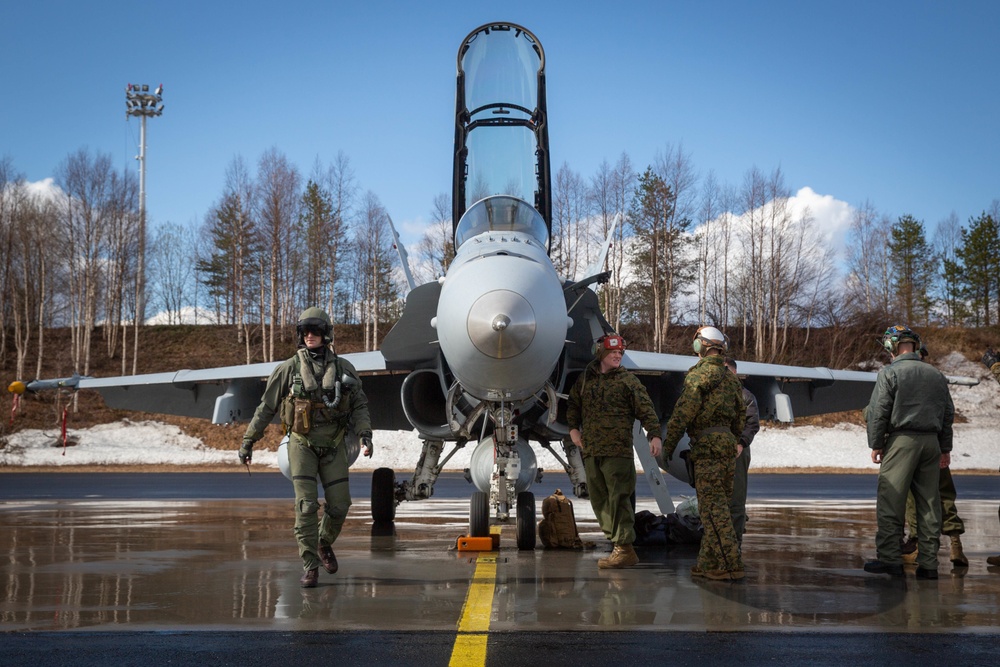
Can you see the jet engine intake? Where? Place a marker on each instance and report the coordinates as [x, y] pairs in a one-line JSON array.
[[425, 404]]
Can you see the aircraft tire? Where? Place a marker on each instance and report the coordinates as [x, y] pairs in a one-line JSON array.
[[479, 515], [383, 495], [526, 521]]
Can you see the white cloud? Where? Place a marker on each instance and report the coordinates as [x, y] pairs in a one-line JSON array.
[[831, 216]]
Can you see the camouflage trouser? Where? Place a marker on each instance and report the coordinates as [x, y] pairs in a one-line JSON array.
[[738, 503], [951, 523], [306, 462], [714, 457], [611, 483], [909, 463]]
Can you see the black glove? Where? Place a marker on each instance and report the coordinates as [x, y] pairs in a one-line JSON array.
[[990, 358], [246, 451], [366, 444]]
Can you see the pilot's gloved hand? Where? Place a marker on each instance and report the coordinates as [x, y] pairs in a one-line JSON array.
[[246, 451], [366, 444], [991, 357]]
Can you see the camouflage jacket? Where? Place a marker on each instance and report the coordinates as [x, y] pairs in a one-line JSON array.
[[995, 369], [603, 406], [712, 397], [911, 396], [353, 406]]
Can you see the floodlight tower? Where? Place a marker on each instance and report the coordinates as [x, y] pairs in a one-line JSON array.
[[139, 101]]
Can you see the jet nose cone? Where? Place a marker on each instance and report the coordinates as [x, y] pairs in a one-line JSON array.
[[501, 324]]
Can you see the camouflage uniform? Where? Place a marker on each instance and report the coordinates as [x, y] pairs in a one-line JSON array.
[[603, 407], [712, 411], [738, 503], [910, 417], [320, 452]]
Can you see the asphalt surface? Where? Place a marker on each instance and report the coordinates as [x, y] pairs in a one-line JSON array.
[[269, 484], [165, 568]]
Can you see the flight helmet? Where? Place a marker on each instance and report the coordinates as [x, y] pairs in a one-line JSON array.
[[314, 319], [897, 334], [709, 338]]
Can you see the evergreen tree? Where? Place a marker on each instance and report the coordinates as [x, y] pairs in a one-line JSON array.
[[659, 256], [912, 264], [324, 236], [980, 257]]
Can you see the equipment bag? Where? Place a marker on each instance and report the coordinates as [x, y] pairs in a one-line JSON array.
[[557, 529]]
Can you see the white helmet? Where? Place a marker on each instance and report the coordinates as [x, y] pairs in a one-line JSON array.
[[708, 338]]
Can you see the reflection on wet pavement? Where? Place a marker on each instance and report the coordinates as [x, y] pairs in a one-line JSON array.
[[224, 565]]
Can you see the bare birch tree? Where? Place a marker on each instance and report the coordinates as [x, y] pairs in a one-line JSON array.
[[85, 180], [12, 196], [436, 249], [620, 183], [339, 182], [278, 204], [171, 269], [372, 244], [715, 234], [868, 286]]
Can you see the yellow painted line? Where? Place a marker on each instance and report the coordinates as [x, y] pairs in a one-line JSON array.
[[474, 624]]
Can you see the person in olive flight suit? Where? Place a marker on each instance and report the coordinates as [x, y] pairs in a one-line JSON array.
[[910, 416], [991, 360], [604, 403], [952, 524], [319, 397], [712, 411], [738, 503]]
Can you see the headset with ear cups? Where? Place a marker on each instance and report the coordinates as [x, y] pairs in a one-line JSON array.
[[897, 334], [713, 339]]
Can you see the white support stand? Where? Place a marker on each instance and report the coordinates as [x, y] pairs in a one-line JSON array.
[[651, 471]]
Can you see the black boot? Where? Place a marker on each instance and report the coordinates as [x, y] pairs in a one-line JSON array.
[[329, 560], [310, 579]]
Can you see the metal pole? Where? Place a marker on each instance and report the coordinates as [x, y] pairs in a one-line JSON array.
[[140, 102], [140, 279]]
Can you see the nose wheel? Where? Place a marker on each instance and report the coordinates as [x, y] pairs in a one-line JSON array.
[[479, 518], [479, 515]]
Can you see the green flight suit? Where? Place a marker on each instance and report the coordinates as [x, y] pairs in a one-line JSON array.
[[951, 522], [738, 503], [712, 411], [603, 407], [320, 453], [995, 369], [910, 416]]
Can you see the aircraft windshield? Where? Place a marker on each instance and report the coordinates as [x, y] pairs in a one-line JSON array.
[[501, 66], [501, 214]]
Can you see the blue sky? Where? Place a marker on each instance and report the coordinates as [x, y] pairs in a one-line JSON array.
[[893, 102]]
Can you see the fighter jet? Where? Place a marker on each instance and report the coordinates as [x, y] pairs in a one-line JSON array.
[[485, 356]]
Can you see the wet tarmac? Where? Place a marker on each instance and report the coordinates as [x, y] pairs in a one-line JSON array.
[[119, 577]]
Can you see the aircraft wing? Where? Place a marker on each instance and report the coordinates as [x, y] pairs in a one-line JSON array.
[[228, 393], [782, 392]]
